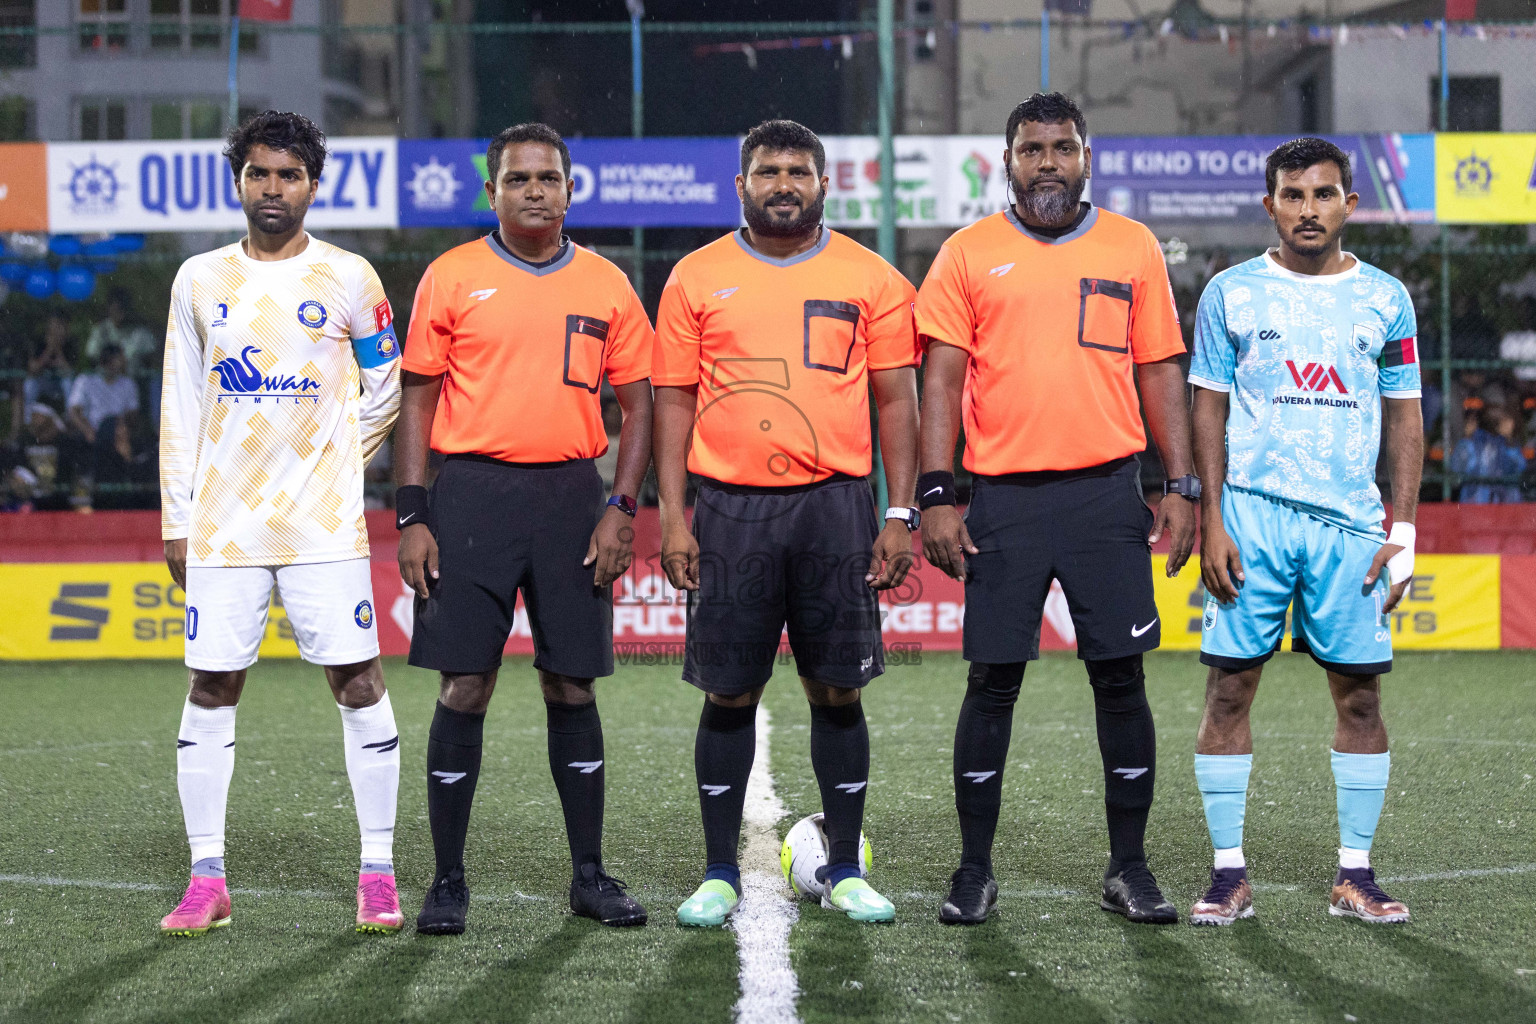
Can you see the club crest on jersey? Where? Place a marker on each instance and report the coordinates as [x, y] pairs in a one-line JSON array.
[[363, 615], [240, 378], [220, 314], [312, 314]]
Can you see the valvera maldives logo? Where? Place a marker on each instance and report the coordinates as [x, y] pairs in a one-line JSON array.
[[1315, 377]]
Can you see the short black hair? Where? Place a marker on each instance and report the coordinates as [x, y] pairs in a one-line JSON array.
[[781, 134], [529, 131], [282, 130], [1308, 151], [1046, 108]]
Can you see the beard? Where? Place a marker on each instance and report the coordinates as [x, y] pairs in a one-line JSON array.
[[1053, 207], [762, 222], [272, 223]]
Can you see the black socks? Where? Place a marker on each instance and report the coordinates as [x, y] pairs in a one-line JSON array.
[[840, 758], [722, 760], [576, 762], [981, 751], [1128, 745], [453, 769]]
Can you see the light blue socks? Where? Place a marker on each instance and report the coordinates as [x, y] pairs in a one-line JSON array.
[[1362, 789], [1223, 781]]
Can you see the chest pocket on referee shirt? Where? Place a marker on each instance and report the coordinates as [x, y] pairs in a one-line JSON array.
[[1104, 315], [831, 327], [585, 339]]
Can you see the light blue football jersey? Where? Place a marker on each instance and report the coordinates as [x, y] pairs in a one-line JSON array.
[[1306, 360]]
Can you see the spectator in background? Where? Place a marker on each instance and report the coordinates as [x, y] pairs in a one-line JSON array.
[[121, 328], [98, 397], [39, 465], [49, 370], [1489, 452]]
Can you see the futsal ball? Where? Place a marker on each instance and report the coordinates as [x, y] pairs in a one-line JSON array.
[[805, 850]]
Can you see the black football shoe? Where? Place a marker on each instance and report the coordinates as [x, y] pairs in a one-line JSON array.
[[972, 895], [1131, 890], [446, 906], [596, 895]]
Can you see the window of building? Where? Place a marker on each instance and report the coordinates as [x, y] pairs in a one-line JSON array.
[[195, 26], [186, 119], [18, 119], [1474, 105], [102, 120], [18, 51], [102, 24]]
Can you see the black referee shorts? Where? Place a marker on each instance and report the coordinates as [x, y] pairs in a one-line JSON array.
[[1087, 528], [502, 527], [776, 557]]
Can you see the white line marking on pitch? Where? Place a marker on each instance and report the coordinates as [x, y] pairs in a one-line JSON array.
[[762, 921]]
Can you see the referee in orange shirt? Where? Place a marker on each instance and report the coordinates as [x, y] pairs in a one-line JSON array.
[[510, 339], [768, 342], [1041, 324]]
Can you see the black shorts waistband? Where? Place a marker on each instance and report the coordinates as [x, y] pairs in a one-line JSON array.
[[721, 485], [487, 460], [1051, 476]]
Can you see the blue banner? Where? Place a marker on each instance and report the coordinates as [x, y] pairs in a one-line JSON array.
[[657, 182], [1221, 177]]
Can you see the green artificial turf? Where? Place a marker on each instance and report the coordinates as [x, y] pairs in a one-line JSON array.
[[87, 777]]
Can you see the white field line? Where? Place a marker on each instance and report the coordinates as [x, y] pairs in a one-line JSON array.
[[762, 921]]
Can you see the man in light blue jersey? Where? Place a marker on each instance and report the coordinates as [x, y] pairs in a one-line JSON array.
[[1298, 353]]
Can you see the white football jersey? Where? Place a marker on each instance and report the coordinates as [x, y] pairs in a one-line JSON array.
[[282, 378]]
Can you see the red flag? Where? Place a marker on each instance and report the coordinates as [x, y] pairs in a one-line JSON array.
[[1455, 10], [266, 10]]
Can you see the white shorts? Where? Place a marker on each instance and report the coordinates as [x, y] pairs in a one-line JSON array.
[[328, 604]]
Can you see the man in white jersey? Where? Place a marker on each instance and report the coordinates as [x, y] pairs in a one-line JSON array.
[[282, 378], [1299, 354]]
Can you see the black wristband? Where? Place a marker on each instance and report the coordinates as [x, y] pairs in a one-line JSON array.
[[935, 488], [410, 506]]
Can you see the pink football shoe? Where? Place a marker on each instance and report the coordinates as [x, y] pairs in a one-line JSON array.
[[205, 906], [378, 905]]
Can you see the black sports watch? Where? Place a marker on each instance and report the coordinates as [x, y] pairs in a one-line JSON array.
[[1185, 486]]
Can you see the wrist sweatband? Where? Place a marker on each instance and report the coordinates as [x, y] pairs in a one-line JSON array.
[[936, 488], [1400, 565], [410, 506]]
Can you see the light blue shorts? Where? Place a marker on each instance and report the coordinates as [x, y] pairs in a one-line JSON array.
[[1292, 559]]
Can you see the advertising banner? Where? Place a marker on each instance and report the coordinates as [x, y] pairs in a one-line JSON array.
[[672, 182], [1221, 177], [188, 186], [944, 181], [1485, 177], [23, 186]]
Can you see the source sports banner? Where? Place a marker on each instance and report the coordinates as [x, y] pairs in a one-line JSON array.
[[1486, 178], [109, 187], [1221, 177]]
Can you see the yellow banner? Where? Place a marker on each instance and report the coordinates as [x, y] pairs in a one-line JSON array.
[[1485, 178], [1451, 605], [105, 610]]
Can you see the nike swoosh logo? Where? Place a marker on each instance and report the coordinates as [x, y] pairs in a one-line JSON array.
[[407, 519], [449, 778], [933, 490], [1143, 629]]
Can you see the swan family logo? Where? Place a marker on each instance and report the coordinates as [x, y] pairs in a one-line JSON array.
[[240, 378]]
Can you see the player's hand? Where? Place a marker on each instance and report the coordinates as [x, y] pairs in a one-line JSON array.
[[891, 557], [612, 547], [176, 561], [1176, 517], [680, 557], [1383, 554], [418, 557], [946, 541], [1221, 566]]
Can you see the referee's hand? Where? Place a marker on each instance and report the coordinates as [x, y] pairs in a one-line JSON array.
[[611, 548], [680, 557], [946, 541], [891, 557], [1176, 517], [418, 557]]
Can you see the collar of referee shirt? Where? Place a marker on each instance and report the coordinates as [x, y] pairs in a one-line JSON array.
[[549, 266], [1086, 220], [740, 234]]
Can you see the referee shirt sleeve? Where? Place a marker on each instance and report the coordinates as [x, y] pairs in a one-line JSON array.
[[891, 335], [943, 310], [630, 341], [1214, 360], [675, 357], [1155, 332], [431, 330]]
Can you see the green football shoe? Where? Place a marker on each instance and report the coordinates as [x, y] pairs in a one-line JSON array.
[[709, 906], [858, 899]]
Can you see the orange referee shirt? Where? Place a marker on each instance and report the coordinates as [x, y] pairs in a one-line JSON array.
[[1054, 328], [781, 350], [524, 348]]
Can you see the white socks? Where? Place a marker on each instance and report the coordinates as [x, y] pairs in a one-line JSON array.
[[1354, 858], [1232, 858], [205, 760], [373, 765]]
